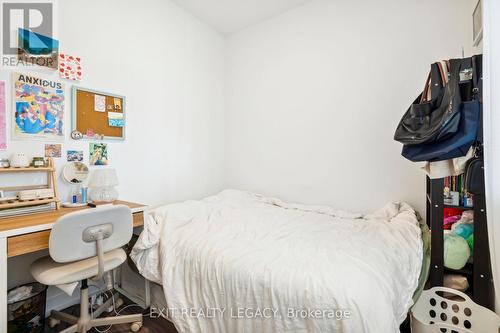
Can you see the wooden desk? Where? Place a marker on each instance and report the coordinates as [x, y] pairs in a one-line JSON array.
[[30, 233]]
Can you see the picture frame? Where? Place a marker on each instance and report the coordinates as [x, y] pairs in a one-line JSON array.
[[477, 23], [38, 107], [98, 115]]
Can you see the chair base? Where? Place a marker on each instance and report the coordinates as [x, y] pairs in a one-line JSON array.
[[86, 321]]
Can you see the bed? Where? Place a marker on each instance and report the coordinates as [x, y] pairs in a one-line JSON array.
[[243, 262]]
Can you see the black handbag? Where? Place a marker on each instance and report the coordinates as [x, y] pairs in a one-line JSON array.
[[474, 174], [434, 120], [470, 125]]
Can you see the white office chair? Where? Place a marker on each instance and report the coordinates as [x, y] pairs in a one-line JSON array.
[[84, 245]]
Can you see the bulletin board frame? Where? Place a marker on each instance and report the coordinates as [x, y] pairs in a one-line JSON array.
[[80, 111]]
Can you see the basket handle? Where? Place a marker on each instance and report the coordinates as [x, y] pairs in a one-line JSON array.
[[435, 290]]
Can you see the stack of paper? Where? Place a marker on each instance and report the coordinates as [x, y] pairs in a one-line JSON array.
[[27, 210]]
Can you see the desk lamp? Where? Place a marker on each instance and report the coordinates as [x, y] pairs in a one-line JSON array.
[[102, 185]]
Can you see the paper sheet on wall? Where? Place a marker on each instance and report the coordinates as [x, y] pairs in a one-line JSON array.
[[99, 103], [3, 123], [115, 119], [118, 103]]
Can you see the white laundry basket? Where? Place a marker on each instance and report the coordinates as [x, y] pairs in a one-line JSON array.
[[435, 314]]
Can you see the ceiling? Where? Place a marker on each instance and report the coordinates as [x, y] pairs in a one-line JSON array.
[[228, 16]]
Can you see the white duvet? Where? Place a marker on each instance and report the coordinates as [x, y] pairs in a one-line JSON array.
[[241, 262]]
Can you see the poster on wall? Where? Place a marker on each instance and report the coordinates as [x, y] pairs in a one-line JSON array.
[[3, 122], [70, 67], [38, 108]]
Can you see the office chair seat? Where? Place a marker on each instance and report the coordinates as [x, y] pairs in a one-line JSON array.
[[85, 245], [45, 270]]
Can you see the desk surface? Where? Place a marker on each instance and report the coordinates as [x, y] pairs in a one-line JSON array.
[[38, 219]]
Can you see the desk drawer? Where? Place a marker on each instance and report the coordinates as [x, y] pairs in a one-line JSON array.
[[27, 243], [138, 219], [36, 241]]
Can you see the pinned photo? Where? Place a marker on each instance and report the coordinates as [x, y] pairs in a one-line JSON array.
[[53, 150], [75, 156], [98, 154]]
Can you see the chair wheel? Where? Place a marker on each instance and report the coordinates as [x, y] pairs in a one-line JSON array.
[[53, 322], [135, 327], [118, 303]]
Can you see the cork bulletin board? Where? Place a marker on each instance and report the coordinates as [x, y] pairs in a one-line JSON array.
[[98, 115]]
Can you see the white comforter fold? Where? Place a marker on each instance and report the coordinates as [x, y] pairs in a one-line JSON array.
[[288, 267]]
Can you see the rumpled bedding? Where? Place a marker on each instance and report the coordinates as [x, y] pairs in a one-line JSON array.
[[243, 262]]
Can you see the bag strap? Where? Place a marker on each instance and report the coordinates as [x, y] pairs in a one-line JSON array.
[[454, 81], [425, 92], [444, 77], [477, 77], [436, 75]]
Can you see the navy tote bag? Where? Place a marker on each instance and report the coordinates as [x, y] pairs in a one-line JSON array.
[[469, 126]]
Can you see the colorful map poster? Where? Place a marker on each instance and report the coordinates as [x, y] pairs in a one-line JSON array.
[[3, 123], [38, 108]]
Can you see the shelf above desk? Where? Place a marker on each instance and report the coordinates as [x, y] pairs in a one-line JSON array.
[[28, 169]]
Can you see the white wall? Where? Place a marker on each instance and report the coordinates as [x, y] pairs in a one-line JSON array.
[[170, 68], [314, 97]]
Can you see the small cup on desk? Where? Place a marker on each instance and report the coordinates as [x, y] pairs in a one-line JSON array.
[[4, 163]]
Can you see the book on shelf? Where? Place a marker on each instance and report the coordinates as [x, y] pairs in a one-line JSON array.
[[454, 192], [7, 212]]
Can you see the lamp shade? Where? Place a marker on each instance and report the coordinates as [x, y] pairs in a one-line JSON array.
[[103, 178]]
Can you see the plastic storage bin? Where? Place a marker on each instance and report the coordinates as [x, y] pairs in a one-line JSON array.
[[27, 315], [435, 314]]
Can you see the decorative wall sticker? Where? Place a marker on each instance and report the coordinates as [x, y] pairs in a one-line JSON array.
[[76, 135], [90, 132]]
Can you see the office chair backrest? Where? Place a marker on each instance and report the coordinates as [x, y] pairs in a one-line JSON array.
[[73, 236]]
